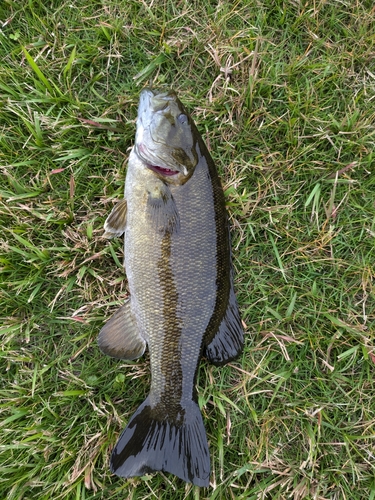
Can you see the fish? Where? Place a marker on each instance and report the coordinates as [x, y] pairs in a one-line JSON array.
[[182, 305]]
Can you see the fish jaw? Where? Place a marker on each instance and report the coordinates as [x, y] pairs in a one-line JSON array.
[[143, 152]]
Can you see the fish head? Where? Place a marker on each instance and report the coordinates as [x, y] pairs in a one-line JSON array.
[[166, 138]]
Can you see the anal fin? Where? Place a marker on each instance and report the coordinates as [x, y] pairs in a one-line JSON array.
[[120, 337], [228, 341]]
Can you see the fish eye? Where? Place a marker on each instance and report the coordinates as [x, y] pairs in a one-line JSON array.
[[182, 118]]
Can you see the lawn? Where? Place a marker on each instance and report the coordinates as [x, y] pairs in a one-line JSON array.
[[283, 94]]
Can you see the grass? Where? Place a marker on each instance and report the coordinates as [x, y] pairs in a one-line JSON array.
[[283, 94]]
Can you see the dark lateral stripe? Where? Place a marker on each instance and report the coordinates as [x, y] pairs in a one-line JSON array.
[[223, 252], [172, 371]]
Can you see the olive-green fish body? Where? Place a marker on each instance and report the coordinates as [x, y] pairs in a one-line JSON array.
[[182, 303]]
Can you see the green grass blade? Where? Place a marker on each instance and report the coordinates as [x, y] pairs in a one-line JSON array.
[[37, 71]]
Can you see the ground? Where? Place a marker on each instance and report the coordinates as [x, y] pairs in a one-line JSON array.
[[283, 95]]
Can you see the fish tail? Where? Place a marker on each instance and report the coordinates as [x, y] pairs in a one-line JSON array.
[[173, 442]]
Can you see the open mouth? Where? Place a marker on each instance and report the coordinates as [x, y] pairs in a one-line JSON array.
[[163, 171], [142, 151]]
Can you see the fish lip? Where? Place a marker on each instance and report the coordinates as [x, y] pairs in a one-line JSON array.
[[166, 172]]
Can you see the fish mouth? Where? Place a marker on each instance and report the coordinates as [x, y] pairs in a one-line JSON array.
[[163, 171], [143, 152]]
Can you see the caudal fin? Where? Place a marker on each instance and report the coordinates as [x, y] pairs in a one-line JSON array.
[[154, 441]]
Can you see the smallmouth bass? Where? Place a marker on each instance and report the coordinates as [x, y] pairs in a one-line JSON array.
[[182, 303]]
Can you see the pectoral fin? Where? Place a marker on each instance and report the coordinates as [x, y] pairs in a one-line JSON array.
[[162, 208], [120, 337], [229, 339], [116, 221]]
